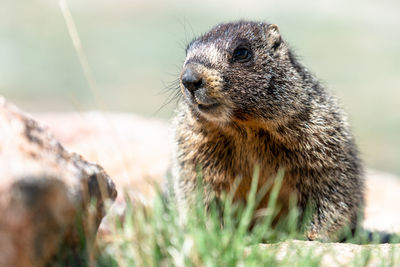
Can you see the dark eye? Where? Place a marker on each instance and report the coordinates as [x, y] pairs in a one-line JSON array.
[[241, 54]]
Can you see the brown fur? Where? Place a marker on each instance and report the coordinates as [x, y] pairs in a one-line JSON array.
[[270, 112]]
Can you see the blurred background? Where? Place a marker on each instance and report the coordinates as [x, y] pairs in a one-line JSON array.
[[135, 50]]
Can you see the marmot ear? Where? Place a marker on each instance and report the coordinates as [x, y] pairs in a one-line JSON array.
[[273, 36]]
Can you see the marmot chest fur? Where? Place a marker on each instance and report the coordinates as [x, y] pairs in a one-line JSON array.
[[248, 102]]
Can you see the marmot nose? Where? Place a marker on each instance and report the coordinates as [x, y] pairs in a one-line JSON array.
[[191, 80]]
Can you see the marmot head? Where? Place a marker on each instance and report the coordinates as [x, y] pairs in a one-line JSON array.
[[241, 72]]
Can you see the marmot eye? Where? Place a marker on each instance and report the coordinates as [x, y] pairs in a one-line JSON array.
[[241, 54]]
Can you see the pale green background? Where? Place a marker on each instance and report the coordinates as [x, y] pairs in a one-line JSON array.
[[135, 49]]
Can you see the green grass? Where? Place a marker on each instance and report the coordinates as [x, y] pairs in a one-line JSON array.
[[155, 236]]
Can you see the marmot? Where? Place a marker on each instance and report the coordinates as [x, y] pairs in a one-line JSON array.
[[248, 102]]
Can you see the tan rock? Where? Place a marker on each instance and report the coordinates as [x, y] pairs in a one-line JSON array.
[[334, 254], [134, 150], [382, 210], [44, 192]]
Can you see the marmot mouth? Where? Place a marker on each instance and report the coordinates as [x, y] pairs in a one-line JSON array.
[[208, 107]]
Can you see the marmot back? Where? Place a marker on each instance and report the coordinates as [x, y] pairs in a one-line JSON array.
[[249, 102]]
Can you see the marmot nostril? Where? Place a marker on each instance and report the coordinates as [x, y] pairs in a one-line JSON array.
[[191, 80]]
